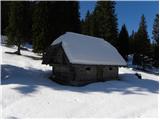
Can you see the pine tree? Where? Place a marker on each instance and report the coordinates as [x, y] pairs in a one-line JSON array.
[[106, 21], [17, 28], [142, 42], [89, 26], [155, 37], [155, 31], [65, 18], [123, 42], [73, 16], [82, 26], [52, 19], [29, 12], [86, 24], [131, 43], [40, 26], [4, 16]]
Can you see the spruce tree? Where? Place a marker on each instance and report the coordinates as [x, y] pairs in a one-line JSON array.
[[29, 12], [123, 42], [131, 43], [86, 24], [40, 26], [65, 18], [155, 31], [52, 19], [73, 16], [82, 26], [106, 21], [155, 37], [5, 9], [17, 28], [142, 42]]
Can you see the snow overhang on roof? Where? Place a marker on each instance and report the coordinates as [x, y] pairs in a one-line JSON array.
[[83, 49]]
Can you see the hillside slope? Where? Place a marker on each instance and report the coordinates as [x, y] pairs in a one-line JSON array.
[[28, 93]]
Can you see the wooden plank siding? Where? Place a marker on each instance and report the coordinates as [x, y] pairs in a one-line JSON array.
[[76, 74]]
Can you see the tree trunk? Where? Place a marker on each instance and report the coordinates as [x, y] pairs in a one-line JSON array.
[[18, 52]]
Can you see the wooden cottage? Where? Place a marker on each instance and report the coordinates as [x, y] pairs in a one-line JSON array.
[[80, 59]]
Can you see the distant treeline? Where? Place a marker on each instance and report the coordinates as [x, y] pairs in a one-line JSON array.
[[42, 22]]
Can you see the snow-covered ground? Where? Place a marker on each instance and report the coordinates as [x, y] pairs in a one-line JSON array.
[[28, 93], [150, 69]]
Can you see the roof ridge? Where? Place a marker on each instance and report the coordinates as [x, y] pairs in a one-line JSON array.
[[84, 35]]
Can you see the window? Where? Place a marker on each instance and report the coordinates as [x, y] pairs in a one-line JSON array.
[[110, 68], [88, 68]]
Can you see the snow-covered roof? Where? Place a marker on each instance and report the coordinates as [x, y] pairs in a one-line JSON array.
[[83, 49]]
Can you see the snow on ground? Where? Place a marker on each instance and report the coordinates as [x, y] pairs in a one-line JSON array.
[[28, 93], [3, 39], [150, 69]]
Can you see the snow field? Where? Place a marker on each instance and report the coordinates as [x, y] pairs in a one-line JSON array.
[[28, 93]]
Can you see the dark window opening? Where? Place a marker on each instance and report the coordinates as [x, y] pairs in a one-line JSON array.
[[110, 68], [88, 68]]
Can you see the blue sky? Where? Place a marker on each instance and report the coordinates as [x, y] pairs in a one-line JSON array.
[[128, 13]]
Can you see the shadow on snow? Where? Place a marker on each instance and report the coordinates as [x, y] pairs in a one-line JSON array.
[[29, 81], [28, 56]]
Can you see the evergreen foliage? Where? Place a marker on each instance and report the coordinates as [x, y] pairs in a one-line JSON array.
[[40, 26], [86, 24], [131, 43], [156, 29], [57, 18], [123, 42], [44, 21], [155, 33], [106, 21], [102, 22], [142, 42], [18, 26], [89, 25], [5, 9]]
